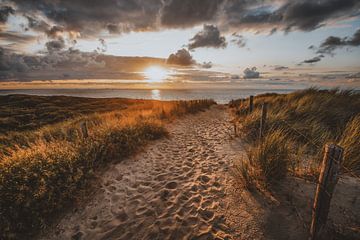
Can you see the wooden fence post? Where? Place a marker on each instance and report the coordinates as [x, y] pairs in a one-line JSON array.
[[329, 176], [251, 104], [263, 119], [84, 129]]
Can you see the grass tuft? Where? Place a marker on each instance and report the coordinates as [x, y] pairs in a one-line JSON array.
[[350, 141], [272, 155]]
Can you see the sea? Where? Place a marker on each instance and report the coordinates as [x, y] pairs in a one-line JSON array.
[[221, 96]]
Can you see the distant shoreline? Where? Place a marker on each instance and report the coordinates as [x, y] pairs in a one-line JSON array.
[[219, 95]]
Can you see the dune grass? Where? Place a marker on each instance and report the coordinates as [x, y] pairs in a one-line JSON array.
[[45, 169], [298, 126]]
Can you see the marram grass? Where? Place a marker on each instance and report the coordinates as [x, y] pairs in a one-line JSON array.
[[299, 124]]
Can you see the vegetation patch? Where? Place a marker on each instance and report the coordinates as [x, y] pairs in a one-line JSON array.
[[43, 170], [298, 125]]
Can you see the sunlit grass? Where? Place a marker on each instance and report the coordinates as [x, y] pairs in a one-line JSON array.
[[307, 120], [44, 170]]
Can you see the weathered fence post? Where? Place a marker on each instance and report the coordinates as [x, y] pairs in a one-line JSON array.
[[251, 104], [329, 175], [84, 129], [263, 119]]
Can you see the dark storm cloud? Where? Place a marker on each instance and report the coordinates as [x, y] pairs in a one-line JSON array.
[[5, 12], [208, 37], [181, 57], [18, 65], [309, 15], [305, 15], [187, 13], [91, 16], [332, 43]]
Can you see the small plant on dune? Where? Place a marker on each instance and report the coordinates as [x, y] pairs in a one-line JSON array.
[[271, 156], [244, 174]]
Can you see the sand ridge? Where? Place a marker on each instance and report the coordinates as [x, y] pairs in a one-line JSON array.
[[175, 189]]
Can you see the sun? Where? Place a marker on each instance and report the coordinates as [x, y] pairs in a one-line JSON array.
[[156, 74]]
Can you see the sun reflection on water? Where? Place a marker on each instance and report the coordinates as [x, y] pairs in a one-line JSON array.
[[155, 94]]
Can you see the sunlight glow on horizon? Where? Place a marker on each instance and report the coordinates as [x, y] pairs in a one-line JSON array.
[[156, 74]]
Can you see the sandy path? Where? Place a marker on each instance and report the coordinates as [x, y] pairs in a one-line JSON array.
[[175, 189]]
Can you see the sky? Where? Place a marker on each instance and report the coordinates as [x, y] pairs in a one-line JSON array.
[[179, 43]]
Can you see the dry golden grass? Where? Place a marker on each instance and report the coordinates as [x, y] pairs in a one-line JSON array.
[[350, 140], [298, 126], [43, 170]]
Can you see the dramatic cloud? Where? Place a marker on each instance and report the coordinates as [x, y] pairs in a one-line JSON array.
[[90, 18], [61, 23], [308, 15], [251, 73], [181, 57], [5, 12], [12, 63], [305, 15], [239, 40], [208, 37], [187, 13], [332, 43]]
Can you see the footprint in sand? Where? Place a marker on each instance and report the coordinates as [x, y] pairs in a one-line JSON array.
[[171, 185]]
